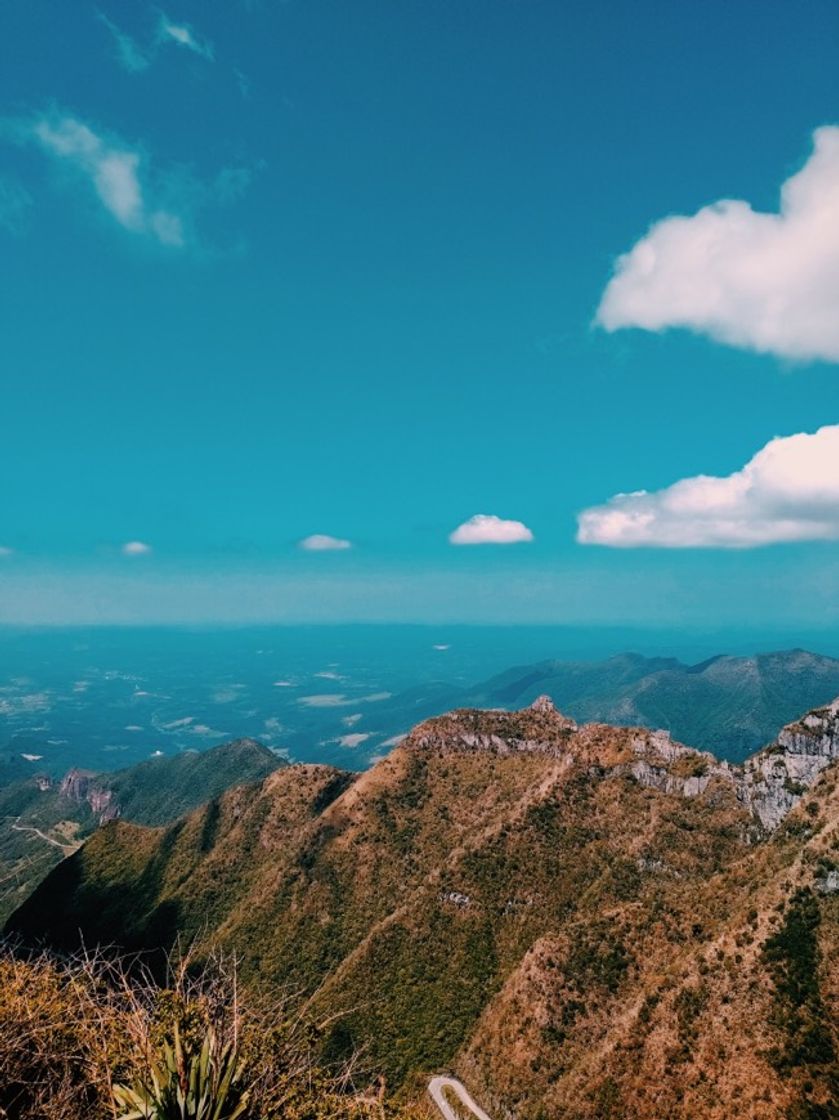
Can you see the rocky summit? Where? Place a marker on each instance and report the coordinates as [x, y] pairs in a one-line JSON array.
[[581, 921]]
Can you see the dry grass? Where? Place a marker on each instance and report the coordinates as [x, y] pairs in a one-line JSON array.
[[73, 1029]]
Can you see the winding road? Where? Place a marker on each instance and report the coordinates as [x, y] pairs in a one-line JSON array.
[[67, 849], [435, 1088]]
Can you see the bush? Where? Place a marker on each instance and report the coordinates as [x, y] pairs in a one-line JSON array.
[[99, 1039]]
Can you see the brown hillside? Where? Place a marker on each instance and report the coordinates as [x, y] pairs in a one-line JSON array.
[[585, 922]]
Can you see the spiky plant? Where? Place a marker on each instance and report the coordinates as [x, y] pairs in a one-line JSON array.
[[183, 1083]]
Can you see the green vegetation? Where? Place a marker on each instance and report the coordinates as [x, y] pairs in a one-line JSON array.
[[42, 821], [793, 956]]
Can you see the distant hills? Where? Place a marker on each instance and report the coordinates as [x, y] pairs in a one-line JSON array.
[[42, 820], [581, 921], [729, 705]]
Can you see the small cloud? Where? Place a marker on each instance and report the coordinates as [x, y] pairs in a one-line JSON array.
[[322, 542], [324, 700], [393, 742], [182, 35], [760, 281], [174, 724], [486, 528], [353, 740], [6, 551], [114, 171], [789, 491], [135, 548], [128, 54], [441, 647]]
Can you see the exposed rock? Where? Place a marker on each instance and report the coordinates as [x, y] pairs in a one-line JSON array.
[[458, 898], [75, 784], [80, 786], [828, 883], [775, 779], [658, 755]]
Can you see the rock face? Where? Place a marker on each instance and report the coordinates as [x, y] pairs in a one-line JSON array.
[[775, 779], [80, 786], [769, 784], [672, 768]]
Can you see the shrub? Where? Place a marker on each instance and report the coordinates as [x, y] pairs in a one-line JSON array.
[[99, 1039]]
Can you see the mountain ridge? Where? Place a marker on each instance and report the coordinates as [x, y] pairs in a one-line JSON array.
[[499, 872], [41, 820]]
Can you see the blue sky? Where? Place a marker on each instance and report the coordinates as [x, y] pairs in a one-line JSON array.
[[272, 270]]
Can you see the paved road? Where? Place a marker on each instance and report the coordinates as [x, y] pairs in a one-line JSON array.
[[435, 1089]]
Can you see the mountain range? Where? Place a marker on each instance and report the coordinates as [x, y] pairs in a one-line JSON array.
[[729, 705], [582, 921], [42, 820]]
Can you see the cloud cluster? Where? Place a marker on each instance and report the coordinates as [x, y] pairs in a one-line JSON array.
[[789, 491], [136, 548], [182, 35], [762, 281], [486, 528], [322, 542], [135, 58], [115, 173]]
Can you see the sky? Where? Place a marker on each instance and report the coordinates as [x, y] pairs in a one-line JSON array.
[[444, 310]]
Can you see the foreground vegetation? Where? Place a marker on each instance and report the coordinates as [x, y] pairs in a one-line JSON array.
[[97, 1038]]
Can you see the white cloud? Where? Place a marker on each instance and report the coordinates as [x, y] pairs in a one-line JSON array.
[[135, 548], [4, 551], [789, 491], [324, 700], [322, 542], [130, 56], [115, 174], [182, 35], [353, 740], [762, 281], [486, 528]]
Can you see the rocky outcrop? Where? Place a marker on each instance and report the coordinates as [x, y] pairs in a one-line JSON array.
[[672, 768], [538, 729], [770, 783], [80, 786], [775, 779]]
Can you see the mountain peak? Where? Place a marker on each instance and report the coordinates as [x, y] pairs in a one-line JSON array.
[[543, 704]]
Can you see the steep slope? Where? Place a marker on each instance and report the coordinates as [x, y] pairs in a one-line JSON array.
[[41, 821], [583, 921]]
